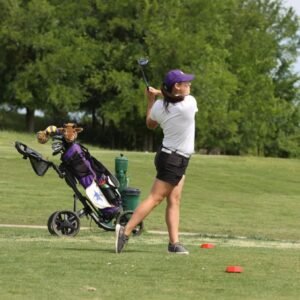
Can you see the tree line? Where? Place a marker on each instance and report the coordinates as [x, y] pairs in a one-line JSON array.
[[67, 56]]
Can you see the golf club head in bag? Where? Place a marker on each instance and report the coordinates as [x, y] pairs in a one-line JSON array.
[[142, 63]]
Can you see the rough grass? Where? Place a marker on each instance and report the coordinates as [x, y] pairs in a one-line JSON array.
[[235, 196], [224, 198]]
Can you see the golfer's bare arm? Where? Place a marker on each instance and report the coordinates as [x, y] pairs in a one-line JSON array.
[[150, 123], [151, 94]]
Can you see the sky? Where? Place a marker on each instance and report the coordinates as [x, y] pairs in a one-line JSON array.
[[296, 5]]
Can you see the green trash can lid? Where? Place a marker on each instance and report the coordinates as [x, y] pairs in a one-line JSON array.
[[121, 157]]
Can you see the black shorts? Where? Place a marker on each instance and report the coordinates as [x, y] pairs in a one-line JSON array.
[[170, 167]]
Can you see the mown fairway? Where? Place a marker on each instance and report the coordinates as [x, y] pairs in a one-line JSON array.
[[225, 198]]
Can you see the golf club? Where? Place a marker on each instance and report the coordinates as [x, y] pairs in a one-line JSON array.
[[142, 63]]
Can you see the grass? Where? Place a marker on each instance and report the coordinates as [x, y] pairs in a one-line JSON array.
[[224, 198], [85, 267], [235, 196]]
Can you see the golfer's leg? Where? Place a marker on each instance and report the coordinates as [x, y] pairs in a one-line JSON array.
[[159, 191], [173, 212]]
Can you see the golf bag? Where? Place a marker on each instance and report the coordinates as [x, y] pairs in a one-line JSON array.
[[100, 185], [103, 201]]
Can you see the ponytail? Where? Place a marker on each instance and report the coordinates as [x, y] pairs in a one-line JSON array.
[[169, 97]]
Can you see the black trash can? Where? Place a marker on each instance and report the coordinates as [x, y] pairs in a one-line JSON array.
[[130, 198]]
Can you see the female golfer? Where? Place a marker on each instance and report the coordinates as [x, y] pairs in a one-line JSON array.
[[176, 116]]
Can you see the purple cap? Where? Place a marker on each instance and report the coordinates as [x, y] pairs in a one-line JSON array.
[[175, 76]]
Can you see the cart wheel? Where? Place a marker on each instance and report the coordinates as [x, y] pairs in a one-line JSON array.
[[49, 224], [125, 217], [65, 223]]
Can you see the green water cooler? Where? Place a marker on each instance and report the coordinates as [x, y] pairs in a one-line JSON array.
[[130, 196]]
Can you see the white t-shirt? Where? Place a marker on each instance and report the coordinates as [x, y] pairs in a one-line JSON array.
[[177, 123]]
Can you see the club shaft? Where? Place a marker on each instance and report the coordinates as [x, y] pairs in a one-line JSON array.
[[145, 77]]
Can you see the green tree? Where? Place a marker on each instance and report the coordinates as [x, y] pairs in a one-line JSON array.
[[262, 49], [70, 55], [42, 59]]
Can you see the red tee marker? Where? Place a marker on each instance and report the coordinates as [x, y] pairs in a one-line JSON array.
[[234, 269], [207, 246]]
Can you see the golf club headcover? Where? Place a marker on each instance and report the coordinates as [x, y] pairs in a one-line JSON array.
[[43, 135], [51, 129], [70, 132]]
